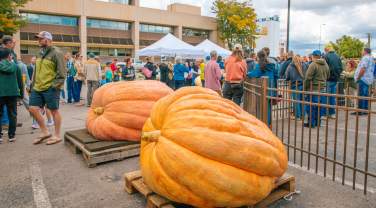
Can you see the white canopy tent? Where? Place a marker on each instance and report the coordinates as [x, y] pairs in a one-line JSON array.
[[171, 46], [209, 46]]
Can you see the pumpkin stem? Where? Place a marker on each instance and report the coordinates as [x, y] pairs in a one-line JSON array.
[[99, 111], [151, 136]]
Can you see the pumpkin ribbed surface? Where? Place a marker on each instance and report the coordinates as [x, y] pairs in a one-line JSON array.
[[119, 110], [200, 149]]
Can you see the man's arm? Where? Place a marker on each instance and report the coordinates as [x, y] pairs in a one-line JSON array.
[[309, 77], [218, 72], [60, 69], [19, 80]]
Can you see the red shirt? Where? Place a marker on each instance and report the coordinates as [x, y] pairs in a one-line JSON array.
[[113, 67], [235, 70]]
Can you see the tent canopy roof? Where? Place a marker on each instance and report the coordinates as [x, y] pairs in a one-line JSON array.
[[171, 46], [209, 46]]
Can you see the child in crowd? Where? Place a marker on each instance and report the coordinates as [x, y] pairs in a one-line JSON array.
[[108, 72]]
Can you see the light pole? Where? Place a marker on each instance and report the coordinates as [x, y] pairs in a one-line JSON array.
[[288, 26], [320, 35]]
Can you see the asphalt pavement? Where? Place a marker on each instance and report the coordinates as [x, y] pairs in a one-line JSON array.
[[52, 176]]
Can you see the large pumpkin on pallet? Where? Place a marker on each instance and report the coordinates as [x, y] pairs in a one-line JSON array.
[[200, 149], [119, 110]]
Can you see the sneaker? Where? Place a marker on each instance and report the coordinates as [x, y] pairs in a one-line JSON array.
[[35, 126], [12, 139], [50, 123], [332, 116]]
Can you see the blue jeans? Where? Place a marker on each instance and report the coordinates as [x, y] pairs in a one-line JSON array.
[[312, 111], [363, 92], [297, 97], [4, 118], [331, 88], [77, 86], [70, 88]]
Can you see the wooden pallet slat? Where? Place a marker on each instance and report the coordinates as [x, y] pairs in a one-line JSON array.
[[134, 183], [99, 151]]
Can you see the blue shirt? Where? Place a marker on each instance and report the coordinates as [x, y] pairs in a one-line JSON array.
[[179, 70], [368, 64]]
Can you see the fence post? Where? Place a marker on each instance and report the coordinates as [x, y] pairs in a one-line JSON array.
[[264, 100]]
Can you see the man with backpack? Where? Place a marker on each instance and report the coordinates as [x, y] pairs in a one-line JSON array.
[[152, 68]]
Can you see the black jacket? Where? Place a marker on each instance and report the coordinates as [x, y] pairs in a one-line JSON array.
[[335, 66], [284, 66]]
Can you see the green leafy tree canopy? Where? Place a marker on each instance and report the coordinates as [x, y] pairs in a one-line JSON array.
[[236, 21], [348, 47], [10, 19]]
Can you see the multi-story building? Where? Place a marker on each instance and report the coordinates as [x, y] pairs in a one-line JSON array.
[[109, 28], [270, 34]]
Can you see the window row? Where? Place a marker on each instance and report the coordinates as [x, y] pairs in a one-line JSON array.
[[113, 41], [116, 1], [195, 33], [110, 51], [55, 37], [35, 50], [107, 24], [50, 19], [155, 29]]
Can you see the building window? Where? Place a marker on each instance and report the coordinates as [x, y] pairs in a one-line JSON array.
[[113, 52], [195, 33], [155, 29], [117, 1], [55, 37], [35, 50], [107, 24], [50, 19]]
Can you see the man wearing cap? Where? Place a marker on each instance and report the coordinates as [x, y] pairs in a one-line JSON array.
[[315, 81], [92, 71], [335, 66], [47, 82], [364, 77]]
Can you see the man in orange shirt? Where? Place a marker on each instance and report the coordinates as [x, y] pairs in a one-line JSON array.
[[236, 71]]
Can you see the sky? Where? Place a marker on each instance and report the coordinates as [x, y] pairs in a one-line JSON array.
[[335, 17]]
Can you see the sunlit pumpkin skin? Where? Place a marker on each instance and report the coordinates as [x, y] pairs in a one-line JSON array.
[[200, 149], [119, 110]]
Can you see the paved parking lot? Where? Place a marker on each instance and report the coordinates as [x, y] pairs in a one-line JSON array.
[[51, 176]]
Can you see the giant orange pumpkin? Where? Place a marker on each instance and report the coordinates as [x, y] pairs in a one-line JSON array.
[[119, 110], [200, 149]]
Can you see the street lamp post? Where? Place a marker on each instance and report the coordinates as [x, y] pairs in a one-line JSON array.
[[288, 26], [321, 35]]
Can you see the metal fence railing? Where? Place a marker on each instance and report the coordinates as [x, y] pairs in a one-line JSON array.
[[342, 146]]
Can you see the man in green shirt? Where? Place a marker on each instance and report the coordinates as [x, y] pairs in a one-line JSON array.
[[11, 89], [47, 82]]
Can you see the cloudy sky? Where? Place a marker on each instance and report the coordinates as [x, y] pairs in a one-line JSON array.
[[341, 17]]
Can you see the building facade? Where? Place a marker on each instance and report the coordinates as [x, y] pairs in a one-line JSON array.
[[270, 34], [109, 28]]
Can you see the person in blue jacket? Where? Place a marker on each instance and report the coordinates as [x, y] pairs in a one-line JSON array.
[[180, 73], [265, 69]]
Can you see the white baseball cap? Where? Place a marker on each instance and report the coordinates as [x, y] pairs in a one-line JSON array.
[[44, 34]]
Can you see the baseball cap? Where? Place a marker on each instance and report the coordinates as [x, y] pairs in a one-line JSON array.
[[44, 34], [316, 53], [238, 46], [91, 55]]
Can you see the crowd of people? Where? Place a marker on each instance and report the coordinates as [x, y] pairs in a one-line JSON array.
[[53, 78]]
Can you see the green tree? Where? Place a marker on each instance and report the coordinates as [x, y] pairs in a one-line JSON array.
[[10, 19], [236, 21], [348, 47]]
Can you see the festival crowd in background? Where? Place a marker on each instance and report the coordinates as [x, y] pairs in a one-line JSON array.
[[53, 78]]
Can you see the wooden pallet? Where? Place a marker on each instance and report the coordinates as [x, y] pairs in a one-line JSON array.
[[95, 151], [134, 183]]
